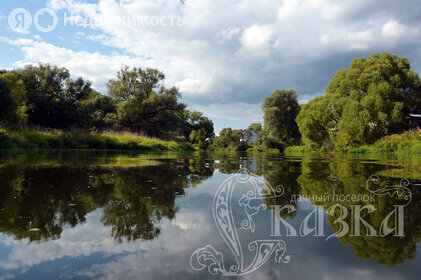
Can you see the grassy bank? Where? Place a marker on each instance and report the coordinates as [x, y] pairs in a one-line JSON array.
[[32, 139], [297, 149], [408, 142], [304, 149], [245, 148]]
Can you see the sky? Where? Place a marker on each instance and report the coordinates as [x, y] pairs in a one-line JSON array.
[[224, 56]]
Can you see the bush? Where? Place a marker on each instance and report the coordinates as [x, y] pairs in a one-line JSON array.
[[360, 150], [407, 142], [296, 149]]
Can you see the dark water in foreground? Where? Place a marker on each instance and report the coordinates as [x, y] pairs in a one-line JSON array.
[[88, 215]]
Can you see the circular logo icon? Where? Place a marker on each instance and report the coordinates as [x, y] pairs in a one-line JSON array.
[[50, 26], [20, 20]]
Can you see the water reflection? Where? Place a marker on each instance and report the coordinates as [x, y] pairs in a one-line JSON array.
[[343, 177], [42, 195], [38, 201]]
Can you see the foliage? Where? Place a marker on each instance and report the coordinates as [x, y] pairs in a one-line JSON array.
[[46, 97], [197, 128], [100, 112], [408, 142], [229, 138], [145, 104], [53, 97], [13, 100], [362, 104], [297, 149], [315, 122], [8, 107], [256, 127], [280, 111], [78, 139]]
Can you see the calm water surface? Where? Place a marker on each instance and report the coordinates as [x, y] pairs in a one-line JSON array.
[[92, 215]]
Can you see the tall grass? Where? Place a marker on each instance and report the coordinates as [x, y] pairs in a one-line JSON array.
[[298, 150], [77, 139], [408, 142]]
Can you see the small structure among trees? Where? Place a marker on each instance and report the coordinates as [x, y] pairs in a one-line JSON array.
[[250, 137], [414, 121]]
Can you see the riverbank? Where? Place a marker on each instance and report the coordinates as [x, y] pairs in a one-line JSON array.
[[408, 142], [56, 139]]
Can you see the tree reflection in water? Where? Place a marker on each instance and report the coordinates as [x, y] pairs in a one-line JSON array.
[[342, 177], [39, 199], [37, 202]]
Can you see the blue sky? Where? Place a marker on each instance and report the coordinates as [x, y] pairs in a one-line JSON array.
[[225, 57]]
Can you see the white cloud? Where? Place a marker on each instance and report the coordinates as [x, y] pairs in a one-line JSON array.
[[394, 29], [96, 67], [256, 37]]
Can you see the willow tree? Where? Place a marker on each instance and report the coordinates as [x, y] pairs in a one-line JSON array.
[[365, 102], [280, 111], [145, 104]]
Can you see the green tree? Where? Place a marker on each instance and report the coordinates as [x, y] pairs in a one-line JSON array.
[[256, 127], [197, 128], [363, 103], [315, 123], [53, 97], [8, 107], [195, 121], [18, 97], [99, 110], [145, 104], [280, 111], [228, 138]]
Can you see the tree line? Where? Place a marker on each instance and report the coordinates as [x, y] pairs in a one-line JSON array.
[[138, 101], [369, 100], [362, 104]]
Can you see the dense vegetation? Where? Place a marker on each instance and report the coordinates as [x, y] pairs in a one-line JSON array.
[[80, 139], [280, 129], [406, 143], [362, 104], [280, 111], [45, 97]]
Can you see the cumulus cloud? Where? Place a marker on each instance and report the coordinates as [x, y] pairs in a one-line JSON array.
[[96, 67]]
